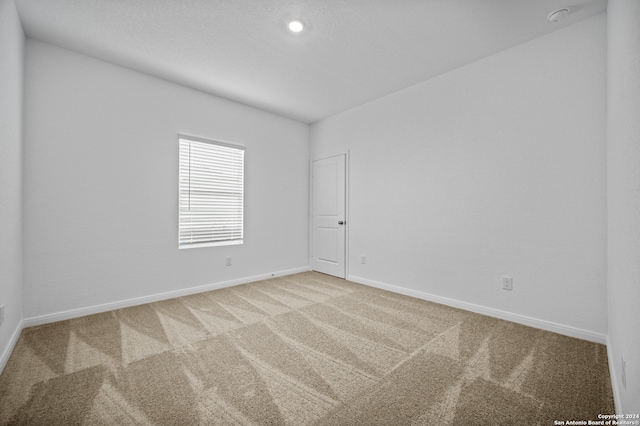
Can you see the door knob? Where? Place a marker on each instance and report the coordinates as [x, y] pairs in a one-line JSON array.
[[341, 222]]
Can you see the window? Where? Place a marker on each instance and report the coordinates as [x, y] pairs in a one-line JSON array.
[[211, 193]]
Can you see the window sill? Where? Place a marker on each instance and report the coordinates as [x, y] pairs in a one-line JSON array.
[[211, 244]]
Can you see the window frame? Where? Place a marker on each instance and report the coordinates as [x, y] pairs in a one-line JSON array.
[[225, 146]]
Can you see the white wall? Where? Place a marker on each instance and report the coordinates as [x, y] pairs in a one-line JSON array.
[[101, 185], [624, 198], [11, 72], [497, 168]]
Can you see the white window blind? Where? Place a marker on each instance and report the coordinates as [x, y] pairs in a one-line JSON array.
[[211, 193]]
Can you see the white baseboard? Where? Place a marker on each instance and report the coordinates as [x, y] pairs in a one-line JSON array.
[[12, 344], [96, 309], [496, 313], [613, 372]]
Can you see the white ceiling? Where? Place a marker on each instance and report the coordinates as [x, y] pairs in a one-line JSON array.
[[351, 52]]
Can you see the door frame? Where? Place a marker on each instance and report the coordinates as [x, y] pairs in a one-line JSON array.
[[346, 206]]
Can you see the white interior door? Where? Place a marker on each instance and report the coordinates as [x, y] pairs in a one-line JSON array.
[[328, 212]]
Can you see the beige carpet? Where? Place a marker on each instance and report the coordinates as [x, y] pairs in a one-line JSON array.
[[306, 349]]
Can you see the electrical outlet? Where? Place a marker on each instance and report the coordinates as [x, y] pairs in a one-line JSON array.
[[507, 283], [624, 372], [363, 259], [1, 314], [227, 261]]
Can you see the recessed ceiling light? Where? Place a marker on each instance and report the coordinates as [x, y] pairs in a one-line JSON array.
[[557, 15], [296, 25]]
